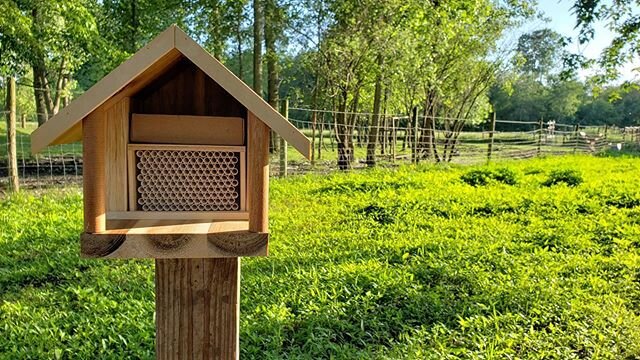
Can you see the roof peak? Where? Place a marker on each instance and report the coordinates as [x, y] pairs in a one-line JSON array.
[[143, 66]]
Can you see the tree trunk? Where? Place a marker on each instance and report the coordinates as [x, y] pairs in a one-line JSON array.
[[375, 120], [239, 49], [134, 27], [342, 133], [38, 86], [60, 82], [321, 137], [47, 95], [272, 64], [65, 98], [257, 46], [12, 155]]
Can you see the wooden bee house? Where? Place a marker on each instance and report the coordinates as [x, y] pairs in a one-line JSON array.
[[176, 168], [175, 156]]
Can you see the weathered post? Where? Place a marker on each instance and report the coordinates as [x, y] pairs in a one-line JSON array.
[[12, 155], [414, 116], [283, 143], [493, 130], [540, 130], [23, 121], [606, 131], [576, 134], [314, 127], [394, 138]]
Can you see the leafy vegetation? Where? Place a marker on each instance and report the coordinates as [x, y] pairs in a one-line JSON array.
[[404, 263], [569, 177], [481, 177]]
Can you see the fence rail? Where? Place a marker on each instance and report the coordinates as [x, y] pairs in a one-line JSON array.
[[400, 139]]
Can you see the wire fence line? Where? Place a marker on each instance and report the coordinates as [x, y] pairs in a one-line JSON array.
[[396, 139]]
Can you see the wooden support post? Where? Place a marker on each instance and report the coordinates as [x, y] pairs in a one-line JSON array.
[[321, 137], [606, 130], [12, 154], [314, 127], [393, 139], [94, 148], [23, 120], [197, 300], [540, 130], [491, 134], [283, 143], [576, 138], [197, 308], [415, 135]]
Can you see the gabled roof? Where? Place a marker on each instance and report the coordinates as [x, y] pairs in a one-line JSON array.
[[139, 70]]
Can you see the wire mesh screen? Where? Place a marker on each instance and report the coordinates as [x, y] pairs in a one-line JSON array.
[[188, 180]]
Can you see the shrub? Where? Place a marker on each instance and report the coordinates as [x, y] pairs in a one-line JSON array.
[[478, 177], [567, 176], [482, 177], [506, 176], [379, 214]]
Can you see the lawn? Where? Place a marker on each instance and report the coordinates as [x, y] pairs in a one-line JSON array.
[[411, 263]]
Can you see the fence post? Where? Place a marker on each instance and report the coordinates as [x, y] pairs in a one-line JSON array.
[[606, 130], [575, 136], [415, 135], [283, 142], [12, 155], [540, 130], [23, 121], [394, 139], [493, 130], [314, 126]]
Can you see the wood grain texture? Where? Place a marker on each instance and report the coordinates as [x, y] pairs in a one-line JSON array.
[[117, 122], [197, 308], [187, 129], [257, 174], [185, 90], [178, 215], [134, 147], [174, 239], [93, 153], [95, 246], [241, 92], [55, 130]]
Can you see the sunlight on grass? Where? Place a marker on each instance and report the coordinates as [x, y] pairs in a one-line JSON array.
[[419, 262]]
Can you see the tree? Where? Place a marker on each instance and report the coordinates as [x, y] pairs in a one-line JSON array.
[[258, 27], [622, 19], [540, 53]]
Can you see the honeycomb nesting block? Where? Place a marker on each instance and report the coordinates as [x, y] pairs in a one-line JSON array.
[[188, 180]]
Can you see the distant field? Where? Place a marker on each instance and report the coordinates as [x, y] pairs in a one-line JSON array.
[[411, 263], [470, 145]]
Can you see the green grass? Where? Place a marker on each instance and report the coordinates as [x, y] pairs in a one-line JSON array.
[[411, 263], [23, 144]]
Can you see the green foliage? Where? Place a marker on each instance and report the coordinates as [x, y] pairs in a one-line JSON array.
[[484, 176], [433, 270], [569, 177], [622, 20], [540, 51]]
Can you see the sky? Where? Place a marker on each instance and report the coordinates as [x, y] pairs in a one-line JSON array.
[[562, 20]]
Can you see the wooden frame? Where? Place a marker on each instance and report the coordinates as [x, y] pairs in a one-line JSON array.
[[187, 130], [134, 213], [174, 239], [151, 61], [178, 215]]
